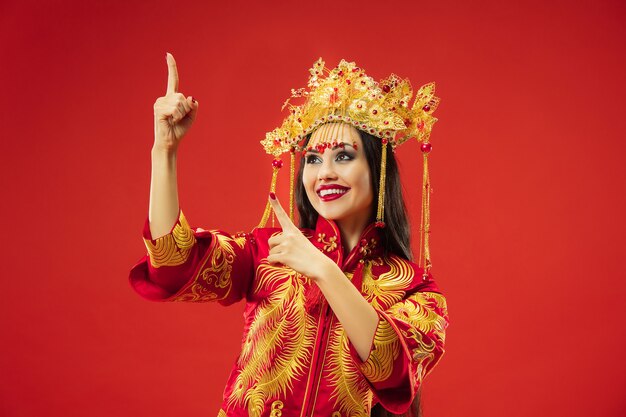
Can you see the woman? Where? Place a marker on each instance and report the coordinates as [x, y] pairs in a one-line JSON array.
[[338, 319]]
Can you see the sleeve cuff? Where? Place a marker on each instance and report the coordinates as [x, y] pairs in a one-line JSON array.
[[173, 248], [385, 350], [387, 367]]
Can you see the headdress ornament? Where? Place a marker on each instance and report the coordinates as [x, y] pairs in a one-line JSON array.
[[383, 109]]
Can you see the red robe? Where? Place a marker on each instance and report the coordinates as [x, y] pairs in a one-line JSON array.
[[296, 359]]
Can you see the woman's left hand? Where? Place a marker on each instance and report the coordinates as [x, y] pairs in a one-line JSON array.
[[293, 249]]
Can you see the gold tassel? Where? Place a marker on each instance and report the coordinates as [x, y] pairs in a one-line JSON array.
[[292, 176], [424, 259], [380, 213], [276, 165]]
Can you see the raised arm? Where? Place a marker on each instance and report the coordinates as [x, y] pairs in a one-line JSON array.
[[184, 263], [174, 114]]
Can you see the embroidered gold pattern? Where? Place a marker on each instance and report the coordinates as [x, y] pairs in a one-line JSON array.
[[240, 240], [389, 287], [174, 248], [420, 311], [351, 393], [279, 342], [215, 272], [379, 364], [222, 413], [366, 249], [281, 335], [426, 313], [276, 410], [423, 311], [330, 244]]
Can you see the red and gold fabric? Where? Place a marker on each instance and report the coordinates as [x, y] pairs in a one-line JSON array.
[[295, 358]]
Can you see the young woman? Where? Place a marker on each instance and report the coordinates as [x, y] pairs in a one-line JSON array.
[[339, 321]]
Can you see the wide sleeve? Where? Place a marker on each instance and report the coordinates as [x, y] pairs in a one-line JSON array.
[[408, 343], [194, 265]]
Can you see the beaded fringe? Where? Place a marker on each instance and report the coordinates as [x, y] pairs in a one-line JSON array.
[[424, 258]]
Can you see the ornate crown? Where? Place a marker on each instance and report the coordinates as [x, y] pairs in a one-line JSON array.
[[349, 95]]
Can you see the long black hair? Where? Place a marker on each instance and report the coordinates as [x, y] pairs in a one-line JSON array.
[[395, 236]]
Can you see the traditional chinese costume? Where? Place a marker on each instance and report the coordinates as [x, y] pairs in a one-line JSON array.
[[295, 358]]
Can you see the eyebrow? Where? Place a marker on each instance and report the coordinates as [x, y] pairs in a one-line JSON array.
[[332, 149]]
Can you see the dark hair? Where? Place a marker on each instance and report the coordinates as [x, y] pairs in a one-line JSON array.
[[395, 235]]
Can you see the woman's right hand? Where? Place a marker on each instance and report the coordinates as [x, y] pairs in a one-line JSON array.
[[173, 113]]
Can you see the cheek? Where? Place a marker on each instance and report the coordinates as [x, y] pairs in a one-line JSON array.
[[361, 177], [366, 188], [308, 179]]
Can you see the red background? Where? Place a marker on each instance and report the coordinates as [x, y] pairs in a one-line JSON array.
[[527, 168]]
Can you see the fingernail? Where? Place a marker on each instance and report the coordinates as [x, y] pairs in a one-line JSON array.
[[273, 196]]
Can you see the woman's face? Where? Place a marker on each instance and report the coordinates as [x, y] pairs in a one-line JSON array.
[[338, 181]]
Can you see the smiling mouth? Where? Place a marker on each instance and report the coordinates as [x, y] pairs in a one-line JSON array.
[[324, 193], [329, 194]]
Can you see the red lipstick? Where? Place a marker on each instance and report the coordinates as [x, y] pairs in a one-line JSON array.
[[331, 192]]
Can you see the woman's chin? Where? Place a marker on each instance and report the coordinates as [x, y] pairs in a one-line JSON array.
[[334, 215]]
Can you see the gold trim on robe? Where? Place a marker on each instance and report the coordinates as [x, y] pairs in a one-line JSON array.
[[174, 248]]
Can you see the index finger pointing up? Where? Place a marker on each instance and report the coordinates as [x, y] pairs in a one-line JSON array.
[[172, 74], [281, 216]]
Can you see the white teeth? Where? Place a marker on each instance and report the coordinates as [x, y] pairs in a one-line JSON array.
[[324, 193]]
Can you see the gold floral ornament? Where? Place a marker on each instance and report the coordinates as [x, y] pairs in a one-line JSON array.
[[386, 109], [329, 244]]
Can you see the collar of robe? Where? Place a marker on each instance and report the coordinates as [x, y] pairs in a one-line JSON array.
[[327, 238]]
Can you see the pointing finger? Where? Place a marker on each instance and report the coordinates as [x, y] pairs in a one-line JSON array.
[[172, 74], [283, 218]]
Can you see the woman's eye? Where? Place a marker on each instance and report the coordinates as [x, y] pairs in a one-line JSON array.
[[311, 159], [344, 156]]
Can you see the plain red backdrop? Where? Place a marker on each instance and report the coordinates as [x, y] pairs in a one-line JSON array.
[[528, 171]]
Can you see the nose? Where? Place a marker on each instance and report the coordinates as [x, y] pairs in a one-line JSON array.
[[327, 171]]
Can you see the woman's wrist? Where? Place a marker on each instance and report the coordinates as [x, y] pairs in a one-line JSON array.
[[166, 152], [162, 157], [328, 270]]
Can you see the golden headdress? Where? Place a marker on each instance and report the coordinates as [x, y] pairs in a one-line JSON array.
[[382, 109]]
